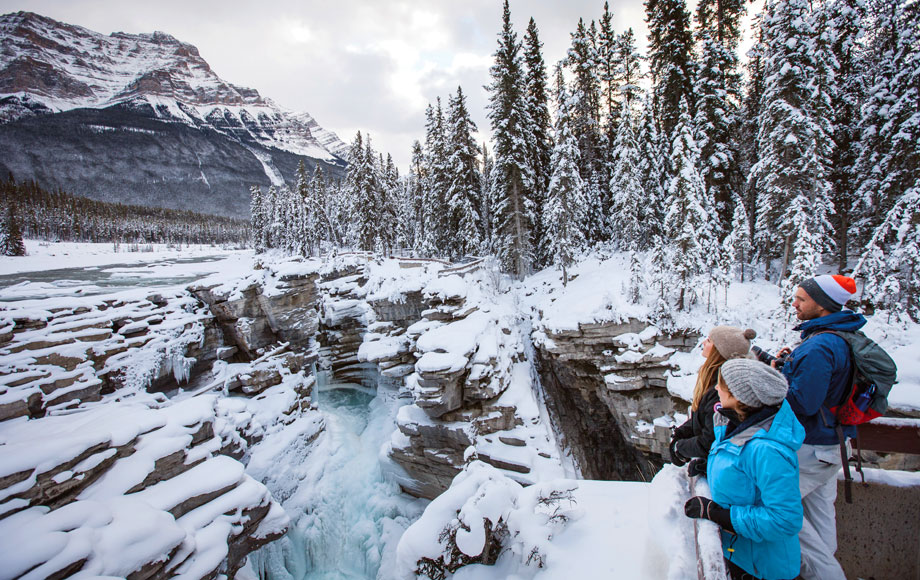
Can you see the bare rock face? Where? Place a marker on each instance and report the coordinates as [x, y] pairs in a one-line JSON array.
[[467, 356], [260, 318], [607, 384]]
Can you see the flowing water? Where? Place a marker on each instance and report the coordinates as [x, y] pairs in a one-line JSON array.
[[346, 515]]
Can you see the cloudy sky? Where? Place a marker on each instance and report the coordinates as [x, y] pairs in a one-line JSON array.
[[369, 65]]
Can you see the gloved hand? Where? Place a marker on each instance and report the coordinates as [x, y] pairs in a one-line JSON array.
[[696, 467], [676, 458], [703, 507]]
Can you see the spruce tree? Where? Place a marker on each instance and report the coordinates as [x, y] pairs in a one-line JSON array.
[[11, 242], [688, 219], [671, 59], [582, 60], [463, 202], [889, 158], [628, 70], [846, 31], [541, 142], [513, 177], [652, 172], [717, 89], [361, 195], [485, 189], [626, 189], [565, 203], [793, 143], [257, 218], [437, 228]]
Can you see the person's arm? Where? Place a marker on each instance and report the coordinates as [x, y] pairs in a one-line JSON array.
[[809, 376], [777, 479], [698, 445], [684, 431]]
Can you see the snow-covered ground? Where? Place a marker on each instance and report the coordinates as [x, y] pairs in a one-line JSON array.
[[574, 528], [42, 255]]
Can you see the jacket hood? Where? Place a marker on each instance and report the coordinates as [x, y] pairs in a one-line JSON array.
[[782, 428], [845, 320]]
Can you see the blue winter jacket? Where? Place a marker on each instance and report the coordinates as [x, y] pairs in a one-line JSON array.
[[755, 473], [818, 371]]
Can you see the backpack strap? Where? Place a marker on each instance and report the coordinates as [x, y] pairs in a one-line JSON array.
[[838, 428]]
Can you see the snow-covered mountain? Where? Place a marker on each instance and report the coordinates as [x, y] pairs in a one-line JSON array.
[[142, 118]]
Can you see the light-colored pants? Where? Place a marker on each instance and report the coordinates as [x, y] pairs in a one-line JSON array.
[[818, 467]]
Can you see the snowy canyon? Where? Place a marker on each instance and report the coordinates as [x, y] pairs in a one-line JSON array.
[[304, 412]]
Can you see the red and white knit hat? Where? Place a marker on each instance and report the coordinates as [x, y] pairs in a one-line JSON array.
[[830, 292]]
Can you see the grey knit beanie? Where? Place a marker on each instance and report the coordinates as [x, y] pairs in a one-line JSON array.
[[731, 341], [754, 383]]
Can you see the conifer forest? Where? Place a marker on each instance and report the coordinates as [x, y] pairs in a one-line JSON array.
[[33, 212], [707, 166]]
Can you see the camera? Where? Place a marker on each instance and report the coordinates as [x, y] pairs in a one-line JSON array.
[[767, 358]]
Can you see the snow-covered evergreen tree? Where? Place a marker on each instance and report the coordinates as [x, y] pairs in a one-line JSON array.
[[738, 240], [513, 179], [889, 158], [688, 219], [565, 202], [628, 69], [626, 226], [585, 99], [671, 59], [463, 190], [793, 144], [257, 218], [715, 120], [437, 182], [485, 188], [652, 173], [846, 30], [541, 123], [361, 195], [11, 242]]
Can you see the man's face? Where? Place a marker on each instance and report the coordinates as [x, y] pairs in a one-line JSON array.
[[805, 307]]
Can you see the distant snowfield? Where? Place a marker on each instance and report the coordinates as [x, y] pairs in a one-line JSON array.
[[58, 255]]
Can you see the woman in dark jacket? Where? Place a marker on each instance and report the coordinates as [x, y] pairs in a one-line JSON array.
[[692, 440]]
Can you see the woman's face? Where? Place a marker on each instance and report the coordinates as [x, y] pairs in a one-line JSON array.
[[707, 347], [727, 399]]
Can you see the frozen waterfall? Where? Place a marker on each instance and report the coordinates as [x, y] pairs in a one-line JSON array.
[[346, 516]]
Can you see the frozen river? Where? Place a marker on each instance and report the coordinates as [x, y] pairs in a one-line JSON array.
[[60, 280]]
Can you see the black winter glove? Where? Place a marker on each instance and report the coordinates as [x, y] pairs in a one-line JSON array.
[[703, 507], [676, 458], [697, 467]]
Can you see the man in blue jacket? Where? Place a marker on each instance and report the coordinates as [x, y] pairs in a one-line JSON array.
[[819, 374]]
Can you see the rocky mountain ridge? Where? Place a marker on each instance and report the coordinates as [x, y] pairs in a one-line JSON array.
[[142, 118]]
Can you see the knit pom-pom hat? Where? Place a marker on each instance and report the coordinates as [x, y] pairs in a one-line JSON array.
[[754, 383], [731, 341], [830, 292]]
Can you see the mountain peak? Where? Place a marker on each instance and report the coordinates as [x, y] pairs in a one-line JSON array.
[[54, 66]]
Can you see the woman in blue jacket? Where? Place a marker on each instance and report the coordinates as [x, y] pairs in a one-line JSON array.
[[753, 473]]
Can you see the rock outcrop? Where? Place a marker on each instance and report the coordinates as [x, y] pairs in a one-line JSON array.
[[606, 385], [120, 454]]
